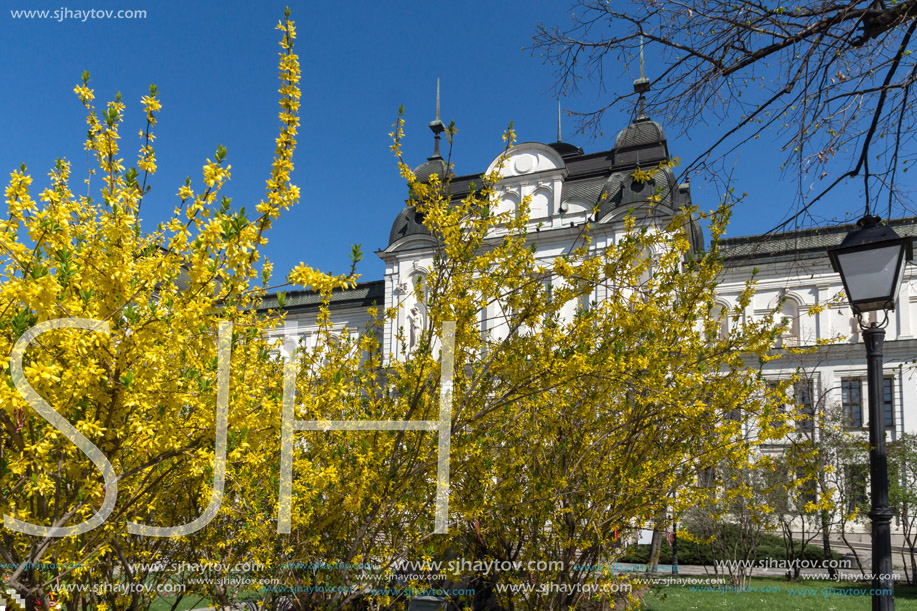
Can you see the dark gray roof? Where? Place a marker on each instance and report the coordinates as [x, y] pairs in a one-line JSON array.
[[621, 190], [433, 165], [795, 245], [585, 178], [365, 294], [640, 144], [578, 168], [639, 133], [593, 164], [566, 149], [586, 191], [408, 222]]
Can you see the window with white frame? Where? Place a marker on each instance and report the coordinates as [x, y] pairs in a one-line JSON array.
[[888, 401], [805, 405], [780, 410], [855, 406], [852, 401], [706, 477]]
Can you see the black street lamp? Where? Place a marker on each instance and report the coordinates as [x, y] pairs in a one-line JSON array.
[[870, 261]]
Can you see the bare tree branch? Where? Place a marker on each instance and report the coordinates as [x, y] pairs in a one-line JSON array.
[[832, 77]]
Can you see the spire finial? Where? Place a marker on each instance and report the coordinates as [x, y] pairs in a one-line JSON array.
[[641, 64], [641, 86], [437, 99], [437, 127], [558, 121]]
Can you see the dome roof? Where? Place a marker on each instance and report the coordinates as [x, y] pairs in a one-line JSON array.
[[641, 132], [642, 143], [408, 222], [623, 191], [433, 165]]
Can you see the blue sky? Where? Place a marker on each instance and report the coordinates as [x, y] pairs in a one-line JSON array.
[[215, 66]]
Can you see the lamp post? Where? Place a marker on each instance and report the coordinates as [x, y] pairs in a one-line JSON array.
[[870, 261]]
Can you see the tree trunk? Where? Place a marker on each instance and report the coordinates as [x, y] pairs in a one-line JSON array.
[[913, 579], [852, 549], [826, 544], [655, 548]]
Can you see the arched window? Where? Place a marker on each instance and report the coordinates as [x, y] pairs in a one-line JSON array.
[[419, 286], [720, 313], [508, 203], [540, 204], [789, 317], [325, 345]]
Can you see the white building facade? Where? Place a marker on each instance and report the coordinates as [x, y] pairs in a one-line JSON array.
[[565, 184], [795, 276]]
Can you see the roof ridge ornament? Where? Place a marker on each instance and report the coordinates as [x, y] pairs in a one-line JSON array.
[[641, 86], [564, 149], [437, 127]]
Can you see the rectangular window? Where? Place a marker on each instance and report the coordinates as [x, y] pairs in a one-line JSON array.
[[706, 477], [802, 404], [779, 413], [888, 402], [852, 401], [805, 416]]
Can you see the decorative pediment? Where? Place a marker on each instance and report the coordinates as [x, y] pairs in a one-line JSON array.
[[529, 158]]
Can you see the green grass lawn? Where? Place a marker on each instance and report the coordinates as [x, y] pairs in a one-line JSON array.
[[188, 602], [777, 595], [764, 593], [191, 601]]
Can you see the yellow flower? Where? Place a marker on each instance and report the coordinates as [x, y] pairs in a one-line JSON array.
[[84, 93], [40, 371], [150, 104]]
